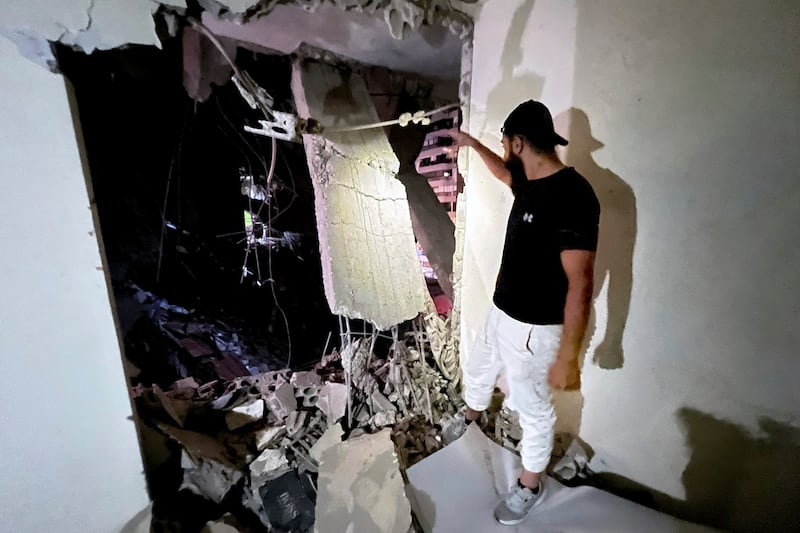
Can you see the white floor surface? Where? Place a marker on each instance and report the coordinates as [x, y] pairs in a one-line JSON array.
[[455, 491]]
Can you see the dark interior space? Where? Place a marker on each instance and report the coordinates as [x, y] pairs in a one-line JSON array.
[[167, 175]]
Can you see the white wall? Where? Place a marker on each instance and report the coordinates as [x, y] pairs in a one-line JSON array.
[[70, 456], [696, 104]]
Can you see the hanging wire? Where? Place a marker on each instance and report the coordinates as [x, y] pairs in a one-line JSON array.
[[403, 121], [253, 90], [176, 157]]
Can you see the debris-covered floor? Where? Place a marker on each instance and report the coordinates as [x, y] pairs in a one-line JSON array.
[[265, 448], [284, 450], [283, 342]]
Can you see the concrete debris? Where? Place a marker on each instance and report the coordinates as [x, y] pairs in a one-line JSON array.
[[444, 346], [570, 457], [203, 64], [305, 379], [226, 524], [264, 440], [223, 451], [244, 414], [507, 428], [282, 401], [295, 423], [208, 478], [303, 440], [271, 464], [331, 437], [169, 342], [308, 396], [361, 488], [332, 401], [362, 210], [415, 439], [266, 437]]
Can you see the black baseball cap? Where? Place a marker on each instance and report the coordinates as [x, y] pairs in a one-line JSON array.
[[533, 121]]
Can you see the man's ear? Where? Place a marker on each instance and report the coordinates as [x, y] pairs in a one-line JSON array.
[[517, 145]]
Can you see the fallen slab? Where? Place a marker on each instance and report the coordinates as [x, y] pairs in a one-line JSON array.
[[361, 488], [369, 262], [456, 489]]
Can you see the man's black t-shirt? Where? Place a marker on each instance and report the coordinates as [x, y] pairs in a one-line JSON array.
[[549, 215]]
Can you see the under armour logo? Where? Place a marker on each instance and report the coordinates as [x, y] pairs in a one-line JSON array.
[[527, 217]]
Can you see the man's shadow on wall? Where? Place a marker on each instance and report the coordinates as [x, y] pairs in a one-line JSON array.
[[736, 479], [512, 89], [614, 261]]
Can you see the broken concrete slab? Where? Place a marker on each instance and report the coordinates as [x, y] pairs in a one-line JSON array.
[[271, 464], [226, 452], [265, 437], [204, 64], [305, 379], [433, 227], [485, 468], [86, 24], [360, 488], [208, 478], [332, 401], [282, 402], [177, 408], [369, 262], [329, 439], [244, 414]]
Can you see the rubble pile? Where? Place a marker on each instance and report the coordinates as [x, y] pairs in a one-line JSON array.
[[254, 444], [168, 342]]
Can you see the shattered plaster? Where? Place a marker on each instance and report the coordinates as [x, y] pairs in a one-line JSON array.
[[88, 24], [369, 263], [403, 17]]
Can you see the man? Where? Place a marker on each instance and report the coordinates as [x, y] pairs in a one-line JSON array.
[[543, 294]]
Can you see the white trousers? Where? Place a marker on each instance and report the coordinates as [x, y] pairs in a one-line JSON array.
[[523, 353]]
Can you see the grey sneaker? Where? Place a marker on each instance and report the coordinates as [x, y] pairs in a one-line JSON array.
[[516, 507]]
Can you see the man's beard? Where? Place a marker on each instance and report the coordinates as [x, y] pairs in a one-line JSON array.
[[517, 169]]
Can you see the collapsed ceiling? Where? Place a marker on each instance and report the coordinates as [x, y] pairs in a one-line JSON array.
[[258, 440], [424, 36]]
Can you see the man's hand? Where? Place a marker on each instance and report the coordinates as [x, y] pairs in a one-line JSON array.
[[494, 163], [460, 138], [563, 374]]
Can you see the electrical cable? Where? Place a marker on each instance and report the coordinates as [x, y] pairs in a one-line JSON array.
[[403, 121]]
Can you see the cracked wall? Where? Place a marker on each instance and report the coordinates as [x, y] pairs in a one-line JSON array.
[[369, 263]]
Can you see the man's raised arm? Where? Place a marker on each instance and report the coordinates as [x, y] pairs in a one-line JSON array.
[[492, 161]]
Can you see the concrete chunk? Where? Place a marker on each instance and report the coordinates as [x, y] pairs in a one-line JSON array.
[[208, 478], [361, 489], [333, 401], [369, 262], [245, 414], [282, 402]]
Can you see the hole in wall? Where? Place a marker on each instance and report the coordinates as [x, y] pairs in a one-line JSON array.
[[215, 267]]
